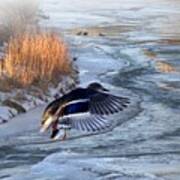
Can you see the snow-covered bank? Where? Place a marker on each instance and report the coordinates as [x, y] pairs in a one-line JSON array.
[[19, 100]]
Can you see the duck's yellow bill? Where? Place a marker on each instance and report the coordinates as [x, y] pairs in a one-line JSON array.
[[46, 125]]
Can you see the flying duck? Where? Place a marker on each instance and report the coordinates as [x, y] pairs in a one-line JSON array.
[[83, 109]]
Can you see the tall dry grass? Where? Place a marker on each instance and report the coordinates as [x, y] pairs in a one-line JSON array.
[[31, 59]]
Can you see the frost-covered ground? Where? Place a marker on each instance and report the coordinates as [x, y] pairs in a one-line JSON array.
[[133, 47]]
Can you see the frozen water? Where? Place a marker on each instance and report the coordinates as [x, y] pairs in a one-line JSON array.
[[133, 48]]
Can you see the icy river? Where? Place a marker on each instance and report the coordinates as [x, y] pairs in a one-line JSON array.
[[132, 47]]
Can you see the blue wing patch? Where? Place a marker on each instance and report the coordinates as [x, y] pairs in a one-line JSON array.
[[79, 107]]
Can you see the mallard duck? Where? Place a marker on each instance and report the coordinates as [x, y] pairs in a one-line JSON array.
[[84, 109]]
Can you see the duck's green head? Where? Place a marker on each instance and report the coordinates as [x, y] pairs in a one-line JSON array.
[[97, 86]]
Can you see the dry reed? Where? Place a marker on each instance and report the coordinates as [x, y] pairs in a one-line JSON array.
[[31, 59]]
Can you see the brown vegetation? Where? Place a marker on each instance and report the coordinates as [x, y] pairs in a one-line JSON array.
[[37, 58]]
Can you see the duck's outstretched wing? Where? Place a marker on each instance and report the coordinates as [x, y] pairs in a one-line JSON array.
[[86, 122], [98, 103], [76, 115], [105, 104]]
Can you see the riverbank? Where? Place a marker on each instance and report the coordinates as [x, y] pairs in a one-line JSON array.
[[36, 66]]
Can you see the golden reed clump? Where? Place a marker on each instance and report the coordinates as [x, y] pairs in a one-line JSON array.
[[38, 57]]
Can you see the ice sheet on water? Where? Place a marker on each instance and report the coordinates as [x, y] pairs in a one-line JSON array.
[[77, 166]]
